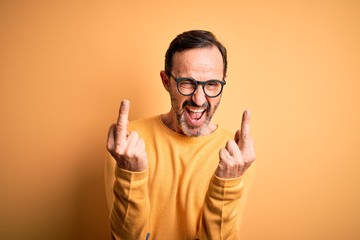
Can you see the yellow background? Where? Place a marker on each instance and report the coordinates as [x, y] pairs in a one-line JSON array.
[[66, 65]]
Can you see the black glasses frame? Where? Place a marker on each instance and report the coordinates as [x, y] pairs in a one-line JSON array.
[[197, 83]]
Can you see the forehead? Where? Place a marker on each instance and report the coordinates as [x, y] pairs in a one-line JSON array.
[[199, 61]]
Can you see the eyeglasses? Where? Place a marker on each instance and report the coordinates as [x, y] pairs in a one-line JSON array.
[[187, 86]]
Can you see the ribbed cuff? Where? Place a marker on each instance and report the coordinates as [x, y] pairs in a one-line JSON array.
[[130, 176], [226, 189]]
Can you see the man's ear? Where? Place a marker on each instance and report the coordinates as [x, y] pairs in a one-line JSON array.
[[165, 80]]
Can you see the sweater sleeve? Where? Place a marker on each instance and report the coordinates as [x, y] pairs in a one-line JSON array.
[[129, 215], [222, 209]]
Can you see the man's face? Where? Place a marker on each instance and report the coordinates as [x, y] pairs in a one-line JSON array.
[[193, 113]]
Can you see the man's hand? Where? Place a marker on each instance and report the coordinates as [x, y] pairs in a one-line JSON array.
[[238, 154], [128, 149]]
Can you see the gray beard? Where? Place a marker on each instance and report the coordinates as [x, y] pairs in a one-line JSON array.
[[192, 131]]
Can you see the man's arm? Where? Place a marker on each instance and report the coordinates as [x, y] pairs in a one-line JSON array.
[[224, 201], [221, 209], [130, 211], [129, 216]]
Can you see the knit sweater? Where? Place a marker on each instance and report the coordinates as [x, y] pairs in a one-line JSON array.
[[178, 196]]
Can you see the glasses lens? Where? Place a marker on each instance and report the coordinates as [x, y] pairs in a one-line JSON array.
[[212, 88], [187, 86]]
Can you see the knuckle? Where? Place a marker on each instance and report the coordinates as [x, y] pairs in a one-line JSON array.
[[230, 143], [119, 150], [109, 146], [222, 153], [112, 126], [133, 135], [128, 153], [111, 129], [138, 155], [240, 163], [231, 164], [248, 137], [120, 127], [245, 136], [249, 157]]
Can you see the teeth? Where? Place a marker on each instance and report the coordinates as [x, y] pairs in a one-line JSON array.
[[196, 110]]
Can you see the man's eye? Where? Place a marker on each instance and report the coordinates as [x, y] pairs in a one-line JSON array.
[[212, 84], [187, 84]]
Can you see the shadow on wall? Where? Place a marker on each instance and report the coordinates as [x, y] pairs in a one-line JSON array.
[[90, 207]]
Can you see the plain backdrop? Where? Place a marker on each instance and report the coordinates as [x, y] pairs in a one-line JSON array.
[[66, 65]]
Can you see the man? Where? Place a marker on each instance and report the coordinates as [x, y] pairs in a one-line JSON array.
[[178, 175]]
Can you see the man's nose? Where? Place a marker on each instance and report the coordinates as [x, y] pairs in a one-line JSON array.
[[199, 96]]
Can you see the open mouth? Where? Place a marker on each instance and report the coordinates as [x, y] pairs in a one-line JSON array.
[[195, 115]]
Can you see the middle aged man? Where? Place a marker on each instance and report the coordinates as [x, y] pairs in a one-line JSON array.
[[178, 175]]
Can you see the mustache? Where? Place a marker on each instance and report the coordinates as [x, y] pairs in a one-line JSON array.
[[193, 104]]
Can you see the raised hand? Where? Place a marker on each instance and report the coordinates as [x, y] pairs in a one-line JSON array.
[[238, 154], [128, 149]]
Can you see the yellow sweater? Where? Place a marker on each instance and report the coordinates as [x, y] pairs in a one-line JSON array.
[[178, 197]]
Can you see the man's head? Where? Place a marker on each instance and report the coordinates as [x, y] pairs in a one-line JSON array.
[[196, 62], [193, 39]]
